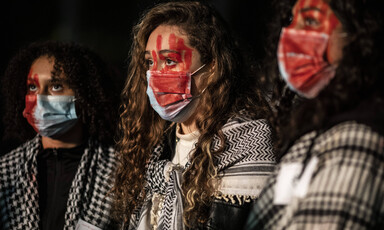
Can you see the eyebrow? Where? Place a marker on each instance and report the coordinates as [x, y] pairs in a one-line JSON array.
[[168, 51], [58, 80], [162, 51], [311, 8]]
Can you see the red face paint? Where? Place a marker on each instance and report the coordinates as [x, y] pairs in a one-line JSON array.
[[31, 99], [314, 15], [177, 43], [32, 80], [154, 56], [158, 42], [154, 53], [177, 52]]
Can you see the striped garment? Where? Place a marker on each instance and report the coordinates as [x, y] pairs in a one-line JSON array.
[[243, 168], [340, 187], [87, 201]]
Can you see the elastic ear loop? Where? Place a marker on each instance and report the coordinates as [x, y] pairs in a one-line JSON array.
[[205, 87], [198, 69]]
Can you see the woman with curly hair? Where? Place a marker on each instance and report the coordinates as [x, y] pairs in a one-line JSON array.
[[59, 177], [331, 167], [194, 148]]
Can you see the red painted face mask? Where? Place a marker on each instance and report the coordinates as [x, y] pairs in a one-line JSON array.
[[301, 61], [170, 95]]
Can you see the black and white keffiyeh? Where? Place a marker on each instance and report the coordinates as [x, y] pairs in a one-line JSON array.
[[87, 201], [242, 168], [345, 190]]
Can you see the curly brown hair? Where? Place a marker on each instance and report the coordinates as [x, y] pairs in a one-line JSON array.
[[358, 75], [86, 73], [228, 91]]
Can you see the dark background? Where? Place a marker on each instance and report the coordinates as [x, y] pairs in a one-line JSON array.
[[105, 27]]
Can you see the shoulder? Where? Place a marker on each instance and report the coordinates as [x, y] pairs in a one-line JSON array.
[[342, 137], [242, 129], [21, 153], [103, 149], [104, 154], [243, 121], [346, 153], [12, 163], [350, 160], [245, 140], [352, 139]]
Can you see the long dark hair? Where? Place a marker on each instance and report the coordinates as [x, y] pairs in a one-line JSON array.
[[87, 74], [228, 91], [358, 76]]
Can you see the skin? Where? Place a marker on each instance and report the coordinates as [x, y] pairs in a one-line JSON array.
[[39, 81], [317, 15], [168, 49]]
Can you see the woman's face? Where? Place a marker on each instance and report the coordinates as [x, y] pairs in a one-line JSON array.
[[317, 15], [168, 49]]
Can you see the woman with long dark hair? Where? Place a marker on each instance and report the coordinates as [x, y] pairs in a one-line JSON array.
[[61, 104], [330, 119], [194, 145]]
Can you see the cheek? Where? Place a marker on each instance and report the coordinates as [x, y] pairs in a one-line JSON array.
[[194, 86], [335, 48], [70, 92]]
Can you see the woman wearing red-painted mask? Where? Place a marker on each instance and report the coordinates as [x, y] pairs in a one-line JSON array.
[[330, 120], [195, 149]]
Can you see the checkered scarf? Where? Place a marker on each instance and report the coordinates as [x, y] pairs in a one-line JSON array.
[[346, 189], [247, 142], [19, 205]]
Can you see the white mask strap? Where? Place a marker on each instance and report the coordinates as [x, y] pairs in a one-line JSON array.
[[198, 69]]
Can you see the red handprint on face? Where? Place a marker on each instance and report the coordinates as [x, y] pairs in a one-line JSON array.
[[178, 52]]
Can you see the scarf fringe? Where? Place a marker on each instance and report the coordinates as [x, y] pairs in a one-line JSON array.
[[234, 199]]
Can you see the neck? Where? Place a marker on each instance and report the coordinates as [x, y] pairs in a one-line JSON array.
[[188, 126], [71, 139]]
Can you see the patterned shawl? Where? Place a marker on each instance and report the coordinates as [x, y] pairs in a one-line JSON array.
[[19, 205], [248, 157]]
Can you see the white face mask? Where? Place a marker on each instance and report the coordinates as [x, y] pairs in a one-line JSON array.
[[170, 95], [50, 116]]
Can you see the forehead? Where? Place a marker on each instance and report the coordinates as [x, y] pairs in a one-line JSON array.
[[43, 65], [307, 5], [42, 68], [165, 36]]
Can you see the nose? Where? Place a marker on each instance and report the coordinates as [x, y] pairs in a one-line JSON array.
[[42, 91], [156, 65], [155, 68]]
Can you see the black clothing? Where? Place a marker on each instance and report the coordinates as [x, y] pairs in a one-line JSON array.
[[56, 170]]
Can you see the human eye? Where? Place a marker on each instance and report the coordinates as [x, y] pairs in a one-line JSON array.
[[149, 63], [57, 87], [170, 62], [32, 88], [311, 21]]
